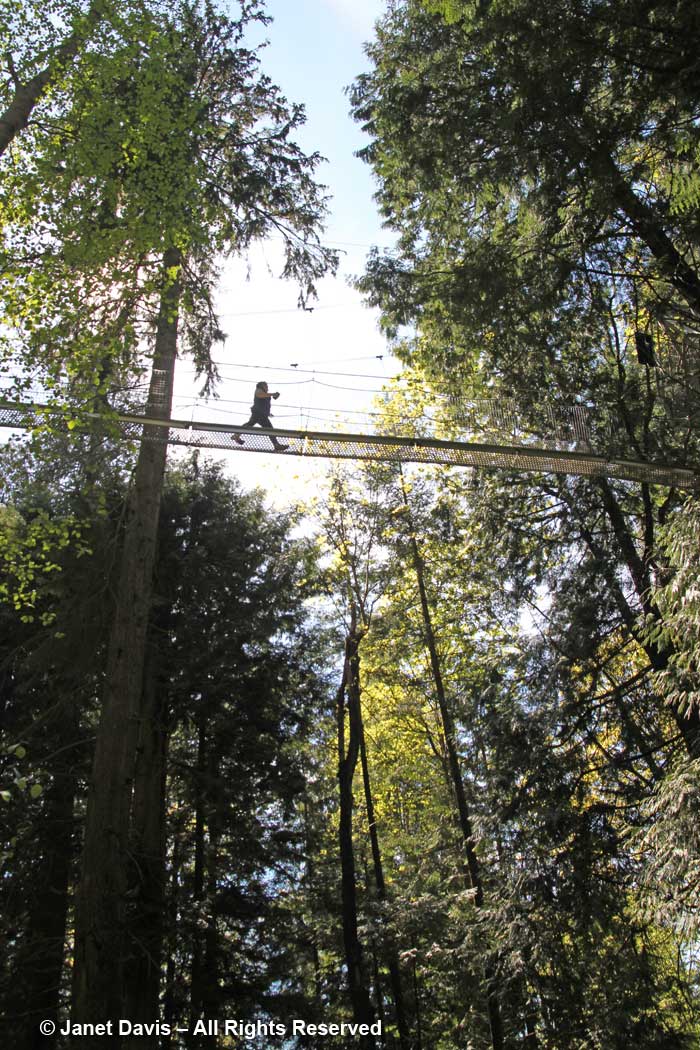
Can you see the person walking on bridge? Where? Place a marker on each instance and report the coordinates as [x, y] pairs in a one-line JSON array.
[[260, 415]]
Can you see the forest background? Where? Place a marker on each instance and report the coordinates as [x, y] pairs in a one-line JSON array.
[[425, 750]]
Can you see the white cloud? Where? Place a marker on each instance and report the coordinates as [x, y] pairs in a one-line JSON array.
[[358, 15]]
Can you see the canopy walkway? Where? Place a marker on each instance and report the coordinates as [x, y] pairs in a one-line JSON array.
[[400, 448]]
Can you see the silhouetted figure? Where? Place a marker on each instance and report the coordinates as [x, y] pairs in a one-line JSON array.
[[260, 415]]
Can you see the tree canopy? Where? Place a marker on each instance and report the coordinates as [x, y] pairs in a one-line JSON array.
[[421, 756]]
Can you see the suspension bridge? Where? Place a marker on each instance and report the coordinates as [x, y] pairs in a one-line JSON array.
[[571, 451]]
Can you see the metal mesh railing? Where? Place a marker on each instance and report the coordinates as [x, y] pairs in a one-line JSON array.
[[368, 447], [557, 426]]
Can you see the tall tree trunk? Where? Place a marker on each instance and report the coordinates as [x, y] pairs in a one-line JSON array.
[[172, 1010], [648, 226], [390, 947], [362, 1009], [16, 116], [378, 989], [98, 985], [205, 996], [472, 867], [309, 882], [646, 220], [197, 977], [212, 1005], [147, 891], [416, 1000], [38, 969]]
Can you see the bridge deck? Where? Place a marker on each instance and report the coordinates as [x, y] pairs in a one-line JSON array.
[[367, 447]]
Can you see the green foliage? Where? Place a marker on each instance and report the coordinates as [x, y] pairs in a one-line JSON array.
[[239, 678], [161, 133], [560, 736], [530, 159], [27, 557], [58, 490], [679, 601], [534, 161], [20, 781], [229, 596], [667, 840], [142, 155], [670, 851], [503, 136]]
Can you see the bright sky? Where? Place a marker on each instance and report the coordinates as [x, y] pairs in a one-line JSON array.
[[315, 51]]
